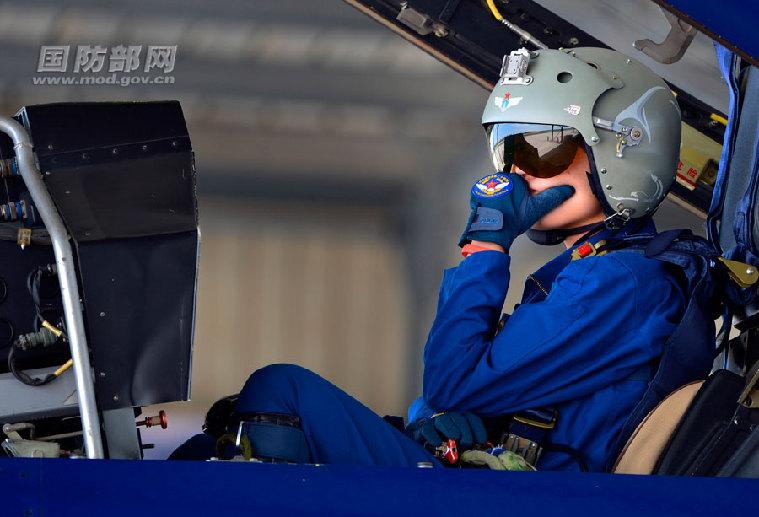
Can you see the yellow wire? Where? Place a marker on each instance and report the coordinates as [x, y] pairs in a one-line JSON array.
[[717, 118], [65, 366], [52, 328], [494, 10]]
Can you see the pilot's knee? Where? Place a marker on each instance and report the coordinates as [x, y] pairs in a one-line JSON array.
[[268, 409], [280, 371], [279, 376], [274, 388]]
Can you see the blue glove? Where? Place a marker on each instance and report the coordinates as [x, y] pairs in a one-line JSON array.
[[503, 209], [466, 428]]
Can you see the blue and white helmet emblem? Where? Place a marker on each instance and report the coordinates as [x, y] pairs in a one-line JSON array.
[[492, 185], [507, 101]]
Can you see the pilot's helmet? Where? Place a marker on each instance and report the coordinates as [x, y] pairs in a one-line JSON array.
[[548, 102]]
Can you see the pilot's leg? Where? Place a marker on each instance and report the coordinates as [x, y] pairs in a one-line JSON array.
[[337, 428], [202, 446]]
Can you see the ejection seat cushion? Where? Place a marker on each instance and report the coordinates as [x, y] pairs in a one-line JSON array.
[[651, 436]]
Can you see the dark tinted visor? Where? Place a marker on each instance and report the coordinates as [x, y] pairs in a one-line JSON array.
[[540, 150]]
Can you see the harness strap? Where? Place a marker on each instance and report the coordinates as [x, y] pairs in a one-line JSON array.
[[273, 436], [689, 351]]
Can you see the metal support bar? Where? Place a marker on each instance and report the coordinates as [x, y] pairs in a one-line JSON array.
[[64, 257]]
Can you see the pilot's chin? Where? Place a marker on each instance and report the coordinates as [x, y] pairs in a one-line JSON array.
[[548, 223]]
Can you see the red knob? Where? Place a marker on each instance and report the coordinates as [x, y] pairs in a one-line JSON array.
[[160, 419]]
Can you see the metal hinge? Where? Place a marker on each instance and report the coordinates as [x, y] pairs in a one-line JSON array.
[[745, 275]]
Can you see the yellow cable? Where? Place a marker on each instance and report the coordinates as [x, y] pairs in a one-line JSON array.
[[52, 328], [717, 118], [494, 10], [65, 366]]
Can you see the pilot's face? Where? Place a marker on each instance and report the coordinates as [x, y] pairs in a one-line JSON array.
[[581, 209]]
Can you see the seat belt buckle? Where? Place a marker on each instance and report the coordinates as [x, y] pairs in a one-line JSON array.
[[529, 431]]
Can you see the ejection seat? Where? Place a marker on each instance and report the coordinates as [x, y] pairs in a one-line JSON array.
[[703, 428], [712, 427]]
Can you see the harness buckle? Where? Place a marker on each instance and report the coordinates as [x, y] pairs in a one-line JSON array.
[[528, 432], [449, 451], [588, 249], [523, 447]]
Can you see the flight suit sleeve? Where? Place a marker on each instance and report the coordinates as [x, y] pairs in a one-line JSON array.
[[417, 410], [564, 347]]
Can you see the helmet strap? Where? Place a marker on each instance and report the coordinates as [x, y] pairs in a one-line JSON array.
[[557, 236]]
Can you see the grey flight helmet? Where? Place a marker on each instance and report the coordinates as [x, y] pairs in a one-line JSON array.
[[626, 115]]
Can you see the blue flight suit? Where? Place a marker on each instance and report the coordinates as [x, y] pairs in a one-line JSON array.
[[585, 339], [582, 340]]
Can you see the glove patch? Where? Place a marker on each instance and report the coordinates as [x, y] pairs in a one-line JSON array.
[[492, 185], [487, 219]]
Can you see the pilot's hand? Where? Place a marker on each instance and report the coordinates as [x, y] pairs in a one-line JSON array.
[[503, 209], [466, 428]]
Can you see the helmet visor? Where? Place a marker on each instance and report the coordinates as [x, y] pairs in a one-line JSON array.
[[540, 150]]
